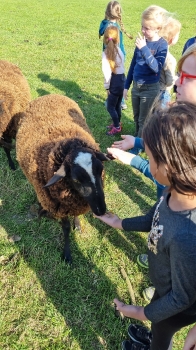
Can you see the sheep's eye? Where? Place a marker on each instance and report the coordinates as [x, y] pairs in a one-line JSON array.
[[76, 181]]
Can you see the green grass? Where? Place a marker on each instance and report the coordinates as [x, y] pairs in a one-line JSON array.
[[46, 304]]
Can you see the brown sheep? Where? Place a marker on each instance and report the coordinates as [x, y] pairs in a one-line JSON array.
[[60, 158], [14, 98]]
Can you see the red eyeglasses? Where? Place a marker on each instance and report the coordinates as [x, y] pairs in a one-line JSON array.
[[185, 75]]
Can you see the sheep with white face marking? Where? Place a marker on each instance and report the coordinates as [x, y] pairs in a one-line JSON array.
[[14, 98], [60, 158]]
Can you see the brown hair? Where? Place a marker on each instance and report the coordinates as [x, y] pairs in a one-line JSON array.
[[170, 137], [111, 40], [114, 11], [190, 51]]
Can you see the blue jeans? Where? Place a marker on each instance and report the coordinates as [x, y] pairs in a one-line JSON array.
[[165, 98], [142, 96], [142, 165]]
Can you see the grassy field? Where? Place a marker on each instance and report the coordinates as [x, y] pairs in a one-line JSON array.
[[46, 304]]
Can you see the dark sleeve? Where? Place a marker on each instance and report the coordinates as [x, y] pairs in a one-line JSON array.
[[139, 223], [129, 78], [156, 62], [139, 143], [183, 294]]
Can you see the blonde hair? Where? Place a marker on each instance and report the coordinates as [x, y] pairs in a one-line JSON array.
[[190, 51], [111, 40], [171, 29], [114, 11], [156, 14]]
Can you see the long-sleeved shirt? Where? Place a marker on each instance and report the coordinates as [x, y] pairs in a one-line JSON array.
[[106, 69], [147, 63], [171, 256]]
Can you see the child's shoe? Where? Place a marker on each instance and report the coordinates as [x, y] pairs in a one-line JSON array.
[[114, 131], [123, 106], [132, 345], [140, 334], [142, 260], [111, 126], [148, 293]]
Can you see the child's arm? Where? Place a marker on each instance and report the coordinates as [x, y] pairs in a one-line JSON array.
[[128, 142], [107, 72], [123, 156], [132, 311], [111, 220], [125, 144], [139, 223], [154, 62], [129, 78], [190, 341]]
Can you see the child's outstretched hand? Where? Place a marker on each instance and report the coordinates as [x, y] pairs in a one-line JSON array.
[[132, 311], [190, 341], [125, 144], [140, 41], [111, 220], [123, 156]]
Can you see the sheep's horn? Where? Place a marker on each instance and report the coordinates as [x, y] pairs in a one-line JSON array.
[[56, 177]]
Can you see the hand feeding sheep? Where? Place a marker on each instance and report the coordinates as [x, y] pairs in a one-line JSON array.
[[14, 98], [62, 161]]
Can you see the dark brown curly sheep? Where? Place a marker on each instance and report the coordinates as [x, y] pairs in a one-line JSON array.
[[60, 158], [14, 99]]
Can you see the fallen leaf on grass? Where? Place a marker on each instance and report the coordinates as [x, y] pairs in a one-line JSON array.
[[14, 238], [4, 260]]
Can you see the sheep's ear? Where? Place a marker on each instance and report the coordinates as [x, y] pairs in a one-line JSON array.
[[101, 156], [57, 176]]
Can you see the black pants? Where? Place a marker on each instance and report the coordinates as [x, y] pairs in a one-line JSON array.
[[115, 97], [162, 332]]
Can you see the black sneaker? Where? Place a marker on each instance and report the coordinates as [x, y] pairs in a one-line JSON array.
[[132, 345], [140, 334]]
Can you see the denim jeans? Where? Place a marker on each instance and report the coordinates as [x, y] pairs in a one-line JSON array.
[[142, 165], [143, 96], [164, 98]]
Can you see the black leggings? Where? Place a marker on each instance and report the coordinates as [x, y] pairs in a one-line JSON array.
[[162, 332], [115, 97]]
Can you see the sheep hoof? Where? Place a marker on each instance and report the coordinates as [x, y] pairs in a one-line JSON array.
[[67, 259], [77, 225]]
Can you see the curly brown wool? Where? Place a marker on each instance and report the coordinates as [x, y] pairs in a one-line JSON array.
[[14, 99], [50, 137]]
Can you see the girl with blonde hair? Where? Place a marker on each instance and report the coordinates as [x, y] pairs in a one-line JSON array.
[[113, 17], [114, 77], [148, 60]]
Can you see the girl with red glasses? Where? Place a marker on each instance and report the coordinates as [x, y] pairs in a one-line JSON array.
[[186, 83]]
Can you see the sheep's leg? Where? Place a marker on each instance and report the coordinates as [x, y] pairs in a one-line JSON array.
[[66, 230], [10, 161], [77, 225]]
